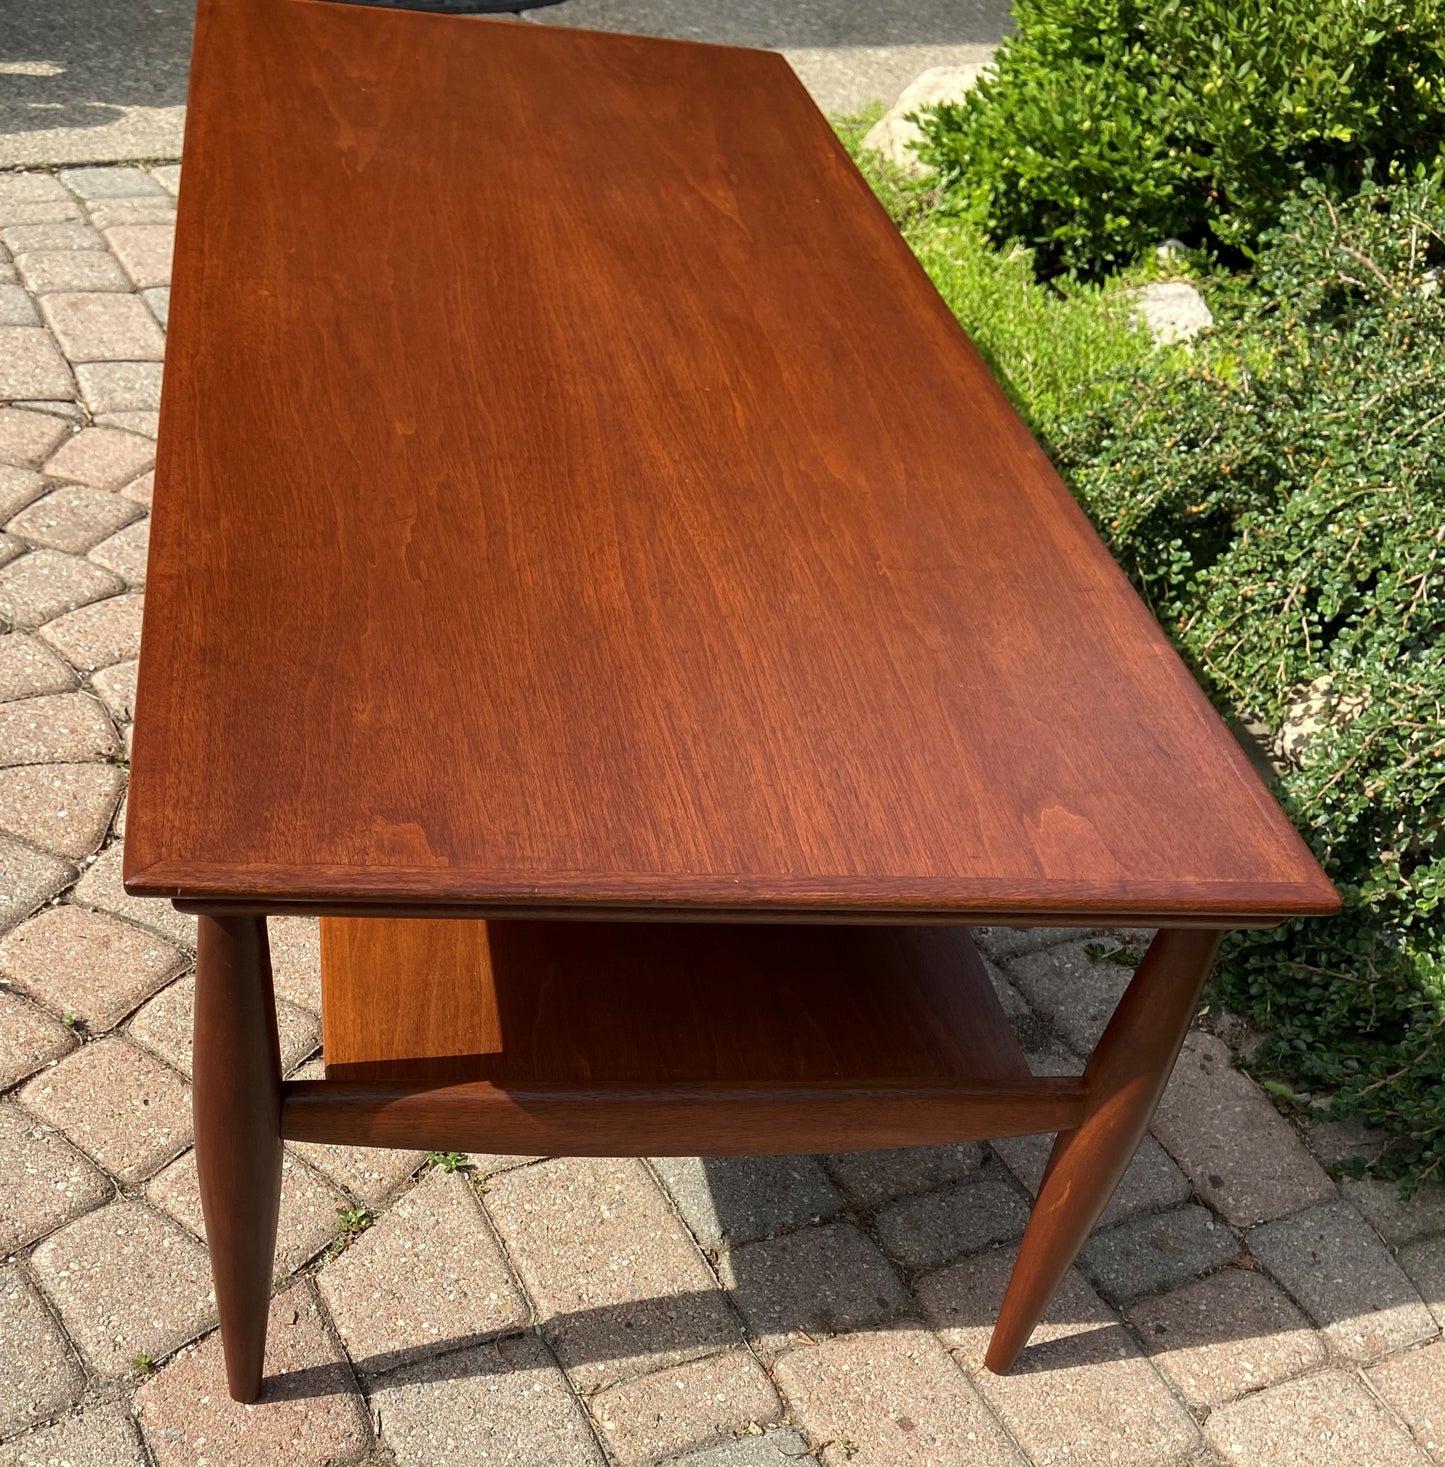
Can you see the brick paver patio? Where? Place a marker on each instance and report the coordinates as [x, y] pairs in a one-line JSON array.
[[1237, 1305]]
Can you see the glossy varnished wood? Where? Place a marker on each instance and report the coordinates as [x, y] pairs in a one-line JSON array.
[[571, 492]]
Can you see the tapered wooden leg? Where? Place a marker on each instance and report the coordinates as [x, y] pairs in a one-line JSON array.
[[1126, 1073], [236, 1097]]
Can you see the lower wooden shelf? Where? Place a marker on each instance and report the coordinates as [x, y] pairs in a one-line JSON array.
[[641, 1038]]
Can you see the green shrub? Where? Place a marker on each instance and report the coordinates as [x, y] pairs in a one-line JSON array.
[[1112, 124], [1281, 504]]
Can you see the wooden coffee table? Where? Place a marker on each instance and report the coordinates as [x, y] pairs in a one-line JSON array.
[[574, 502]]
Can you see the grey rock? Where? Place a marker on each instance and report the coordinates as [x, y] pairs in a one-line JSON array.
[[896, 135], [1152, 1254], [1172, 310], [737, 1199]]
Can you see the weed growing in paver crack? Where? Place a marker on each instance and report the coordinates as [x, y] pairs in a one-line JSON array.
[[1112, 952], [449, 1161], [351, 1223], [142, 1364]]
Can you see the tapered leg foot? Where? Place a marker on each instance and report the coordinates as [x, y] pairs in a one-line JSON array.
[[236, 1098], [1127, 1074]]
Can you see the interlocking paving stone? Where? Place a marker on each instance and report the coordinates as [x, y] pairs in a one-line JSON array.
[[1081, 1394], [115, 687], [31, 188], [47, 583], [11, 548], [47, 1181], [1148, 1255], [426, 1277], [127, 1281], [38, 1375], [871, 1178], [73, 517], [1424, 1264], [54, 233], [18, 487], [168, 175], [101, 887], [784, 1448], [31, 365], [499, 1405], [107, 458], [99, 635], [1345, 1140], [28, 879], [87, 964], [1011, 942], [117, 1104], [145, 251], [617, 1280], [16, 307], [689, 1404], [1344, 1277], [1414, 1384], [105, 214], [107, 182], [103, 326], [1233, 1332], [125, 552], [1076, 993], [309, 1207], [310, 1413], [29, 1039], [44, 271], [1397, 1221], [101, 1436], [735, 1199], [28, 439], [296, 960], [133, 420], [158, 298], [1243, 1157], [890, 1398], [922, 1232], [820, 1281], [1326, 1420], [112, 387], [29, 669], [55, 728], [58, 407], [65, 808], [141, 488]]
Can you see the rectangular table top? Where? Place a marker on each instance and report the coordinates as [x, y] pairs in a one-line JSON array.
[[573, 495]]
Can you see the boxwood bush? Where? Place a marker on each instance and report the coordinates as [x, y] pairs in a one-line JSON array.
[[1280, 503], [1113, 124]]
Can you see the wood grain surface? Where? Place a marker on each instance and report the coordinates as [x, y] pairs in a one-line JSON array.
[[571, 493]]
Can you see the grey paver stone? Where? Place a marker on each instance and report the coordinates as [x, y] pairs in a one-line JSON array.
[[158, 298], [101, 887], [48, 583], [1349, 1139], [1414, 1385], [117, 1104], [700, 1401], [53, 233], [29, 1038], [296, 960], [18, 487], [1152, 1181], [168, 175], [100, 1436], [1424, 1264], [819, 1281], [1325, 1420], [45, 271], [38, 1375], [127, 1281], [1081, 1395], [125, 552], [103, 326], [165, 1025], [145, 251], [16, 307], [29, 669], [132, 420], [87, 963], [98, 635], [31, 365], [486, 1165], [871, 1178], [734, 1199], [781, 1448], [105, 214], [66, 808], [426, 1277], [1243, 1157], [1344, 1277], [115, 387], [107, 458], [1157, 1252], [189, 1419], [55, 728], [1011, 942], [109, 182], [141, 488], [28, 439], [73, 517], [58, 407], [499, 1405], [28, 879], [890, 1398], [1398, 1221], [47, 1181], [115, 687], [618, 1282], [923, 1232], [31, 188], [309, 1207], [11, 548], [1226, 1335], [1075, 992]]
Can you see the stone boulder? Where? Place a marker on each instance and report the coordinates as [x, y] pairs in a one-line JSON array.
[[1171, 310], [894, 135]]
